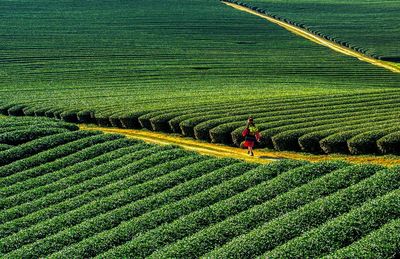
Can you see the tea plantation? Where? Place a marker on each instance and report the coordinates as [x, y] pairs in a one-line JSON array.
[[67, 193], [366, 25], [198, 68]]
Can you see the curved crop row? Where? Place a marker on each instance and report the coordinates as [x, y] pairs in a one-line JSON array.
[[148, 242], [219, 129], [51, 155], [22, 136], [109, 174], [61, 168], [242, 179], [282, 229], [390, 143], [342, 230], [114, 220], [216, 235], [134, 190], [24, 156], [381, 243], [77, 195], [272, 128], [233, 112], [366, 142], [4, 147]]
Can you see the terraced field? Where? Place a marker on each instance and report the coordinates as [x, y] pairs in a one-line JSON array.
[[77, 194], [366, 25], [198, 68]]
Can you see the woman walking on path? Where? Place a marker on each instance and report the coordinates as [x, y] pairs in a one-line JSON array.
[[251, 135]]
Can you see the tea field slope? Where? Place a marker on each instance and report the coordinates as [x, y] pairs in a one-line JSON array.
[[369, 25], [197, 68], [85, 194]]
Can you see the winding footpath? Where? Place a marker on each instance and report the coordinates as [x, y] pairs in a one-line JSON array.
[[319, 40], [219, 150]]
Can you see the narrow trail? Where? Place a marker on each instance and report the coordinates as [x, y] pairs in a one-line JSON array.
[[219, 150], [319, 40]]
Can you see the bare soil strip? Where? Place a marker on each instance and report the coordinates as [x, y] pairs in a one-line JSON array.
[[218, 150], [319, 40]]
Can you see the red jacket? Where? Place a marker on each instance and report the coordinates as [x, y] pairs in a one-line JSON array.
[[246, 131]]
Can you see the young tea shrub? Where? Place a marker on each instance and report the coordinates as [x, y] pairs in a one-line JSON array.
[[389, 144], [342, 230], [282, 229], [366, 143], [381, 243]]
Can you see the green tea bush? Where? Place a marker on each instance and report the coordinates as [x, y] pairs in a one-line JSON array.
[[282, 229], [47, 175], [339, 232], [150, 241], [381, 243], [115, 218], [220, 233], [366, 143], [11, 160], [4, 147], [58, 202], [98, 206], [389, 144], [22, 136]]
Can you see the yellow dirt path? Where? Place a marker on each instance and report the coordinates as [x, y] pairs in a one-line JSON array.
[[218, 150], [319, 40]]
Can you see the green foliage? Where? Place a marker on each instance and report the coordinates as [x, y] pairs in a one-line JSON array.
[[381, 243], [343, 230], [281, 229], [222, 232], [389, 144], [142, 77], [345, 23], [106, 196]]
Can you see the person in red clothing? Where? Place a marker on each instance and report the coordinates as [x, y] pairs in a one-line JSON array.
[[251, 135]]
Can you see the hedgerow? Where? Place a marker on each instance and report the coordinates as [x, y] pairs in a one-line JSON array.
[[220, 233], [22, 136], [119, 167], [381, 243], [124, 213], [279, 134], [338, 142], [49, 156], [16, 110], [28, 122], [150, 241], [128, 195], [4, 147], [240, 182], [366, 143], [343, 230], [224, 129], [13, 160], [282, 229], [131, 120], [61, 168], [390, 143], [77, 195], [299, 123]]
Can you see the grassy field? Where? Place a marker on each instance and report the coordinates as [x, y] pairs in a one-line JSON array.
[[77, 194], [198, 68], [369, 25]]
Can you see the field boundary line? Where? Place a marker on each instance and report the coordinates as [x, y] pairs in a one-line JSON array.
[[320, 40], [219, 150]]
